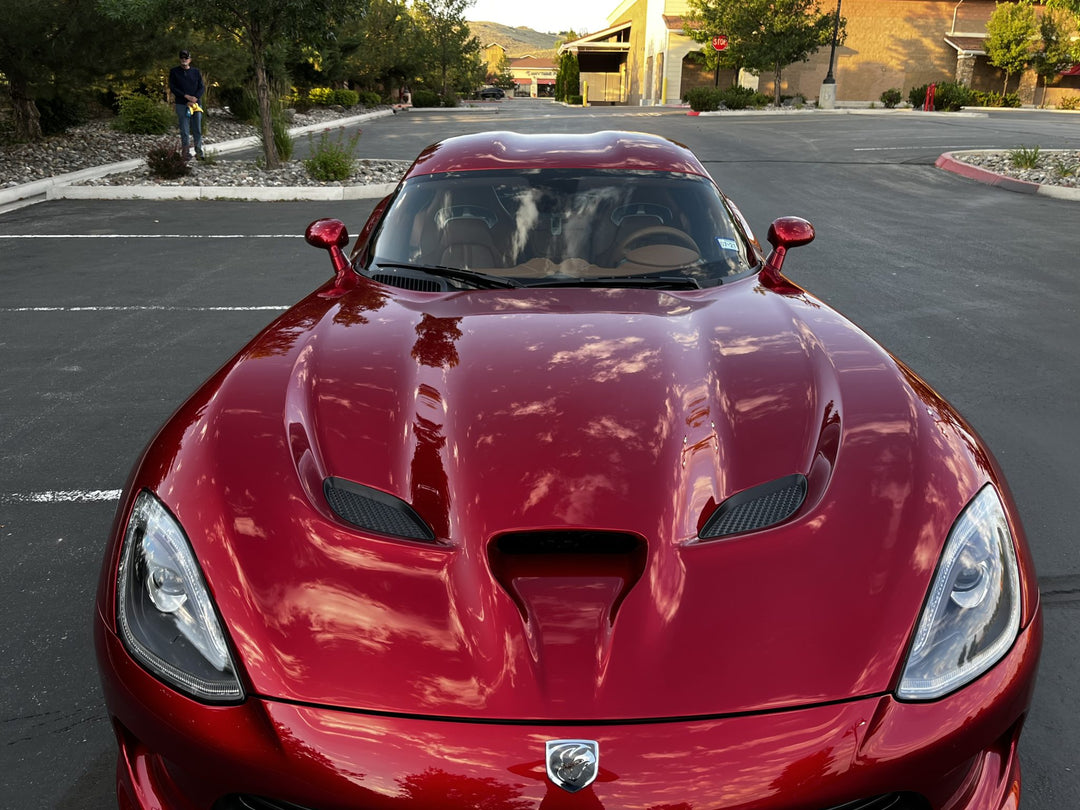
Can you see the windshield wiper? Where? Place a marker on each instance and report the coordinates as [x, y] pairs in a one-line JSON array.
[[660, 282], [460, 274]]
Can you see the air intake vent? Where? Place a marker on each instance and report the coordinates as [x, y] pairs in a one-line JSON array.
[[410, 283], [757, 508], [374, 510]]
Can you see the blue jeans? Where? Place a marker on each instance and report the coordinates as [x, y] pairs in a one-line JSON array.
[[190, 127]]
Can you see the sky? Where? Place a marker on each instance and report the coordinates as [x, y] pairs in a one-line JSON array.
[[582, 16]]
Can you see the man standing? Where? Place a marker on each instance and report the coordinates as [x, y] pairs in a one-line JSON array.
[[187, 87]]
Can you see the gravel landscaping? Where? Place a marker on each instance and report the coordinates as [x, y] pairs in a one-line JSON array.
[[97, 144], [1057, 167]]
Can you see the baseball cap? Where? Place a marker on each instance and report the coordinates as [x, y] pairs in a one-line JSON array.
[[185, 54]]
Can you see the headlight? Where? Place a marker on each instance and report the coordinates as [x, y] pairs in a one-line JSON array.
[[166, 617], [973, 613]]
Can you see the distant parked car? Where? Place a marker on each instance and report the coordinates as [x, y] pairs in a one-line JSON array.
[[492, 92]]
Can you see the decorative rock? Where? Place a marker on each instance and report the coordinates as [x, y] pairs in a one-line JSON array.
[[97, 144]]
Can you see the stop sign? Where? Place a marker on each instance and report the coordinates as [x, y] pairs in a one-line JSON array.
[[720, 42]]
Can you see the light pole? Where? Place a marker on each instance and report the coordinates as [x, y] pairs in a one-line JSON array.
[[827, 99]]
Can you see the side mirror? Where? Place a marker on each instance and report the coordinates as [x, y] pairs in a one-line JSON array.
[[331, 235], [784, 233]]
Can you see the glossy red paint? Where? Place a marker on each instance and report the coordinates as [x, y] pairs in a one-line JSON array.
[[958, 753], [382, 672], [597, 150]]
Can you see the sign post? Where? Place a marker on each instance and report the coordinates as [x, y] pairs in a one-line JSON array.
[[719, 43]]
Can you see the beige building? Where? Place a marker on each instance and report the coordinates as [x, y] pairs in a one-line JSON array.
[[644, 56], [533, 76]]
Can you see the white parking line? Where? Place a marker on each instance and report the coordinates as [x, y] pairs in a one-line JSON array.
[[62, 496], [147, 308], [151, 236]]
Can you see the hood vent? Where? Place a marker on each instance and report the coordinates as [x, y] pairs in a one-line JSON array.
[[756, 508], [414, 283], [374, 510]]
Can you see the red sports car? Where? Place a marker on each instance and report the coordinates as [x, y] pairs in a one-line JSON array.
[[560, 495]]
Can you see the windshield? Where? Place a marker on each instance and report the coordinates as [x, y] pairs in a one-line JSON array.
[[561, 226]]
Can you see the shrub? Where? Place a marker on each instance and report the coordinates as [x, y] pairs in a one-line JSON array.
[[167, 160], [370, 99], [59, 114], [423, 97], [1069, 103], [703, 99], [345, 98], [283, 141], [948, 96], [332, 160], [321, 96], [741, 98], [991, 99], [140, 115], [575, 100], [891, 97], [1024, 158], [241, 103]]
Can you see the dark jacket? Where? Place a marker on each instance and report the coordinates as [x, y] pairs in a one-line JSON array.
[[186, 83]]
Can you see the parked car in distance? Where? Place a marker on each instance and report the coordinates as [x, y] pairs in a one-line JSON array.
[[492, 93], [560, 494]]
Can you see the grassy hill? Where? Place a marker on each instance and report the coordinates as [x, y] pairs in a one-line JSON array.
[[517, 41]]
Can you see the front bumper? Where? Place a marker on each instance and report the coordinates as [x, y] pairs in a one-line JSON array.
[[958, 753]]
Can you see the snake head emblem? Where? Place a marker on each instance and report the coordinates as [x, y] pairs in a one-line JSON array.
[[572, 764]]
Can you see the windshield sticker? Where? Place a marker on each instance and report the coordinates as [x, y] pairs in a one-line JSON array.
[[727, 244]]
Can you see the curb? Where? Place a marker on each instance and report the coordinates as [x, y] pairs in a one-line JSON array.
[[951, 163], [51, 188], [250, 193]]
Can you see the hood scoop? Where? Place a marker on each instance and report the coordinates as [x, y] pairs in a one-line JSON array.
[[756, 508], [568, 587]]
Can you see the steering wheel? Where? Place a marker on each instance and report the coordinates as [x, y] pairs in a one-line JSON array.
[[665, 235]]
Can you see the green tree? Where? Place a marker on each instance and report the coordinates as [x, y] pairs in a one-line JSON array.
[[450, 47], [706, 19], [567, 77], [46, 47], [1058, 51], [382, 47], [259, 25], [765, 35], [1010, 38]]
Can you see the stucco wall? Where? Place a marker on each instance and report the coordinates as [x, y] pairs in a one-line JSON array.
[[890, 43]]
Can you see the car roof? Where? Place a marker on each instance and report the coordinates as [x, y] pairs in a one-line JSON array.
[[597, 150]]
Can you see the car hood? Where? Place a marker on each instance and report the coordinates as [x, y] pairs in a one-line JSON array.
[[579, 412]]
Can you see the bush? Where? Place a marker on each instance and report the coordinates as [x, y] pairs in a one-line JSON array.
[[1024, 158], [948, 96], [167, 160], [140, 115], [741, 98], [991, 99], [891, 97], [1069, 103], [423, 97], [241, 103], [703, 99], [321, 96], [332, 160], [283, 141], [370, 99], [575, 100], [345, 98], [59, 114]]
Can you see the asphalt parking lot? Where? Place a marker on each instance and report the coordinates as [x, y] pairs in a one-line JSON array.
[[112, 312]]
